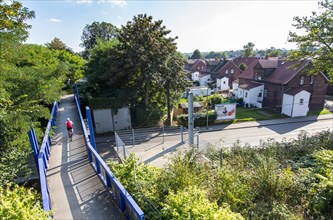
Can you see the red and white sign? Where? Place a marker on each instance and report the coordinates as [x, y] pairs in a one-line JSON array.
[[225, 111]]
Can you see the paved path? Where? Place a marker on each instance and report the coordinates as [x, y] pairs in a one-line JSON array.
[[158, 154], [75, 189]]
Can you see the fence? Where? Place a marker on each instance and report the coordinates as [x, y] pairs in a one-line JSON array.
[[124, 200], [42, 156]]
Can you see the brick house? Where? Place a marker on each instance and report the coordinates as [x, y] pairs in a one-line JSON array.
[[196, 65], [228, 71], [279, 84]]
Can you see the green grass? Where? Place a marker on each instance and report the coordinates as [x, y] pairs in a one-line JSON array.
[[254, 114], [325, 111]]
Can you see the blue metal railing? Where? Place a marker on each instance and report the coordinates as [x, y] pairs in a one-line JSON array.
[[42, 156], [124, 200]]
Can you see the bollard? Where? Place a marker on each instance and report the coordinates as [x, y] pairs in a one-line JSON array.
[[163, 134], [181, 134], [133, 140]]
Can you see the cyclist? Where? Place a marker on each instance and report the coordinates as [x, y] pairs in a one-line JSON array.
[[69, 124]]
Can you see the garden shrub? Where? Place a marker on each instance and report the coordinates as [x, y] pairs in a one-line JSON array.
[[18, 202]]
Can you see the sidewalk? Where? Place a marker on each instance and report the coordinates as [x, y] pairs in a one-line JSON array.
[[158, 154], [265, 123], [76, 191]]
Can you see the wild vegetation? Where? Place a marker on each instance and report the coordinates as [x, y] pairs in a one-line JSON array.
[[276, 180], [31, 79]]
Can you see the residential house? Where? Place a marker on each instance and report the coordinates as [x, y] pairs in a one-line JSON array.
[[228, 71], [282, 85], [196, 65]]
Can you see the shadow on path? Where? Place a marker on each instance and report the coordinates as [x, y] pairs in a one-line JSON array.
[[76, 191]]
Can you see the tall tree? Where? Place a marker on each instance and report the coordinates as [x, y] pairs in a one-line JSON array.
[[196, 54], [103, 31], [57, 44], [317, 42], [139, 67], [248, 50], [273, 52]]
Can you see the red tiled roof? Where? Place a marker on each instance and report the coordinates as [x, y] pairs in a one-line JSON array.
[[249, 85], [248, 73], [285, 71], [282, 73], [270, 63], [294, 91], [247, 60]]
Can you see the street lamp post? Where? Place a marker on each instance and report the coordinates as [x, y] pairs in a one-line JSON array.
[[207, 109]]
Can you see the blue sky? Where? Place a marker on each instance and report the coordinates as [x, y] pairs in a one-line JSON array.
[[205, 25]]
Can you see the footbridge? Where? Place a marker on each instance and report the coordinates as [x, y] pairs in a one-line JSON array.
[[75, 181]]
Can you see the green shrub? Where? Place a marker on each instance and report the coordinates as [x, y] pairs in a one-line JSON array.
[[18, 202], [191, 203], [200, 120]]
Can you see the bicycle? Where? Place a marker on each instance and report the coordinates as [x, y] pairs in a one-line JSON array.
[[70, 134]]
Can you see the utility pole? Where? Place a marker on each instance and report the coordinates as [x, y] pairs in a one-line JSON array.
[[190, 118], [207, 109]]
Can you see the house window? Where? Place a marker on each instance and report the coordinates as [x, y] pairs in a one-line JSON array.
[[245, 94], [226, 71], [302, 80], [223, 82], [301, 101], [311, 79], [260, 94], [257, 76], [232, 71]]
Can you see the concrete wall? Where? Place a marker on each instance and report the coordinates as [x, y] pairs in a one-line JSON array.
[[105, 121], [122, 120]]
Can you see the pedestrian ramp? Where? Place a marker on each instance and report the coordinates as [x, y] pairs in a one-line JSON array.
[[76, 191]]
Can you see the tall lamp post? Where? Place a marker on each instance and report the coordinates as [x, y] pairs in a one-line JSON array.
[[207, 109]]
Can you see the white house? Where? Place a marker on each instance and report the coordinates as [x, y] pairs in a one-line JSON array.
[[222, 84], [235, 88], [203, 79], [252, 94], [195, 76], [295, 103]]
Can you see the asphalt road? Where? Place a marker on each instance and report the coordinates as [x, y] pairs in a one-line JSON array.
[[253, 135]]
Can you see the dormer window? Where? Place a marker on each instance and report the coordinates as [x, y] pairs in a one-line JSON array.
[[311, 80], [232, 71], [226, 71], [257, 76], [302, 80]]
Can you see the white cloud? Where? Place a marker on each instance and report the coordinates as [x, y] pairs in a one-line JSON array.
[[119, 3], [119, 17], [84, 1], [114, 3], [54, 20]]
